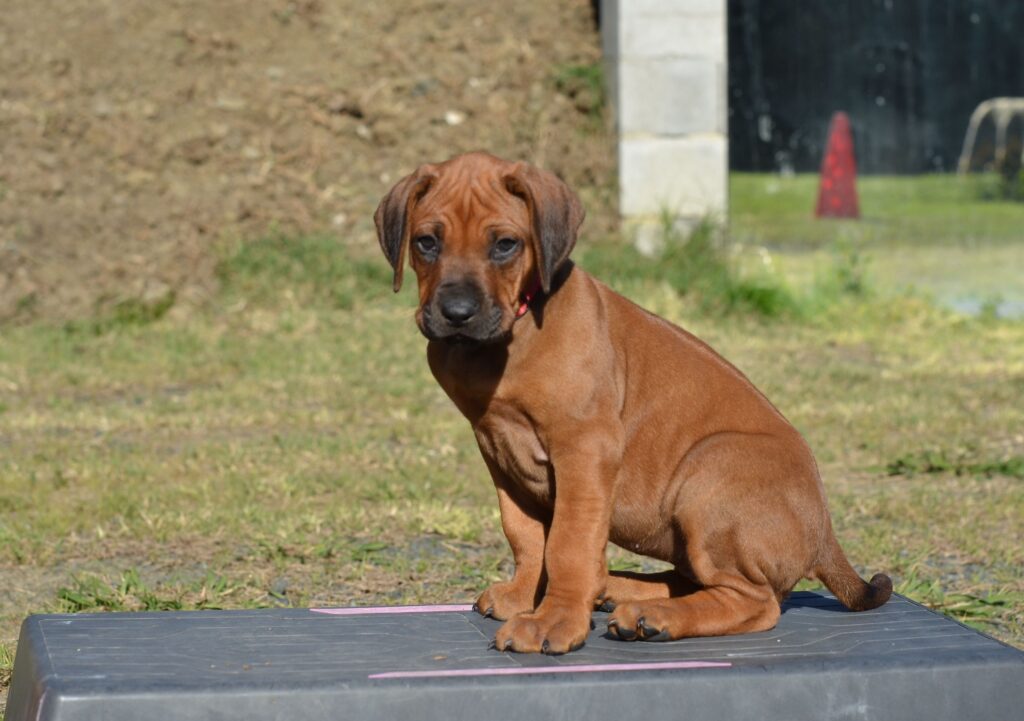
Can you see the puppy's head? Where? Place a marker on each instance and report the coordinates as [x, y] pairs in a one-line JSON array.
[[480, 233]]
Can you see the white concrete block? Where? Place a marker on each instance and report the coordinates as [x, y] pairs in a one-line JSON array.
[[665, 63], [669, 7], [660, 35], [679, 176], [670, 96]]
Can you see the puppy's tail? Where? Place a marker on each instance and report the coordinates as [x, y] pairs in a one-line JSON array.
[[839, 577]]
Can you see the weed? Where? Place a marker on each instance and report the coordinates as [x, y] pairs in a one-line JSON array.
[[366, 551], [135, 311], [989, 310], [6, 663], [981, 612], [960, 463], [995, 187], [91, 592], [848, 271], [127, 313], [584, 86], [212, 592], [26, 304]]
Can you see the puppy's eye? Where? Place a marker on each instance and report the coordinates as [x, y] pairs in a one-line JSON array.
[[504, 248], [427, 245]]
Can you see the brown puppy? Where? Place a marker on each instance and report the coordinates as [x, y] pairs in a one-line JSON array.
[[599, 421]]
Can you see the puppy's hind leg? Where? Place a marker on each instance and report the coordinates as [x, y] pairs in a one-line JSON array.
[[630, 586], [713, 611], [747, 536]]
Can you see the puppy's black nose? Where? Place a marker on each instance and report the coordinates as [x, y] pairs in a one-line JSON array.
[[459, 306]]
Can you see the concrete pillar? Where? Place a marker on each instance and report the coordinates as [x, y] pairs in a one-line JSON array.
[[665, 64]]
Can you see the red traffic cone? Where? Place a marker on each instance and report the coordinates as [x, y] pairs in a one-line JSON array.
[[837, 194]]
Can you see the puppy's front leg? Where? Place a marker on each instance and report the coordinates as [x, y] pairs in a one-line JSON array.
[[525, 532], [574, 557]]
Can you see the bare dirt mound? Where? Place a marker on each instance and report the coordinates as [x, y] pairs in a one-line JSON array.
[[137, 136]]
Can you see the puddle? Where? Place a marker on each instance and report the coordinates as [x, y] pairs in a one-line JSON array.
[[976, 306], [972, 280]]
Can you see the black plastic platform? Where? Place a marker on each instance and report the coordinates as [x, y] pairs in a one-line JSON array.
[[900, 661]]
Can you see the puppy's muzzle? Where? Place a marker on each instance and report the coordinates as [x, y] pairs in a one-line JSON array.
[[461, 312]]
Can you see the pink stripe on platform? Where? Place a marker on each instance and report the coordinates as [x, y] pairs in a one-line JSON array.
[[542, 670], [384, 610]]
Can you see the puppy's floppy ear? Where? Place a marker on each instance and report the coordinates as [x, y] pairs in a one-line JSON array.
[[392, 217], [555, 214]]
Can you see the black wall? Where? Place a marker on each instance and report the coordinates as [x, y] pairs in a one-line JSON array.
[[908, 72]]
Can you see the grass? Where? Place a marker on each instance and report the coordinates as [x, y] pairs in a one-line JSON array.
[[697, 267], [89, 592], [6, 663], [927, 210], [951, 239], [287, 446], [312, 268], [705, 269], [959, 462]]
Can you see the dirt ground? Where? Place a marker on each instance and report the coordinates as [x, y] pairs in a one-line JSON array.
[[137, 137]]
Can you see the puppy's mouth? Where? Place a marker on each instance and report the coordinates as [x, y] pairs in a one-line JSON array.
[[486, 329]]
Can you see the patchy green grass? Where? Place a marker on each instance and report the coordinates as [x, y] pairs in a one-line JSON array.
[[961, 462], [939, 236], [314, 268], [986, 612], [719, 278], [584, 85], [6, 663], [698, 267], [288, 445], [89, 592], [929, 210]]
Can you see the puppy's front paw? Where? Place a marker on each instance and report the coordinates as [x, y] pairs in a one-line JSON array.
[[552, 629], [504, 600]]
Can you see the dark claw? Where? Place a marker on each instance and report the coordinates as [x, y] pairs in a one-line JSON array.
[[626, 634], [493, 645], [651, 634], [489, 613], [592, 626], [661, 635], [545, 647], [607, 606], [508, 645]]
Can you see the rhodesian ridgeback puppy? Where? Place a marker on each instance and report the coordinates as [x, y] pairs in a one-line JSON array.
[[601, 422]]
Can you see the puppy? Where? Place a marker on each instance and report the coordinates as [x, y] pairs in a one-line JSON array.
[[601, 422]]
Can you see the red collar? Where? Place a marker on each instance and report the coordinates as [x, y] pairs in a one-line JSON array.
[[528, 295]]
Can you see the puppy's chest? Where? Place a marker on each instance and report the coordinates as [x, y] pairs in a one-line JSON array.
[[509, 441]]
